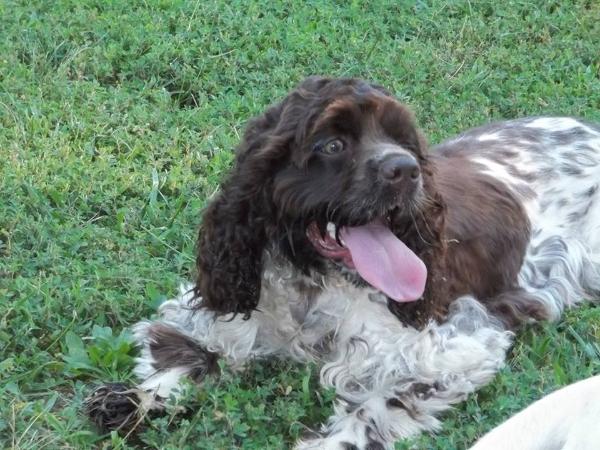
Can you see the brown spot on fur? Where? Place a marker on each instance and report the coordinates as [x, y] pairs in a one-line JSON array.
[[567, 137], [516, 307], [501, 158], [570, 169], [170, 348], [487, 228], [307, 294], [576, 216], [424, 390], [395, 402]]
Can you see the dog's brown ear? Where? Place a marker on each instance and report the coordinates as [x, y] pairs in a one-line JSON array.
[[234, 229], [230, 252], [240, 221]]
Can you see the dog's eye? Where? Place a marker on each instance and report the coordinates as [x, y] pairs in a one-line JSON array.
[[332, 147]]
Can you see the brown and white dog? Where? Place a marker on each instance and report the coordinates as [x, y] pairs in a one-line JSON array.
[[338, 237]]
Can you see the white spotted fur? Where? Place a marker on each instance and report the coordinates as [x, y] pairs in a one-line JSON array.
[[562, 264], [367, 355]]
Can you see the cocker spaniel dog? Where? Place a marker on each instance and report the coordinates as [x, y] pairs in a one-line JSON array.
[[338, 237]]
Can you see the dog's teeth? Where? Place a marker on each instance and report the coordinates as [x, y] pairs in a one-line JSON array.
[[331, 230]]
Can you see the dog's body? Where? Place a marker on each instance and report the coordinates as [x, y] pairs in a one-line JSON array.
[[506, 218], [540, 225]]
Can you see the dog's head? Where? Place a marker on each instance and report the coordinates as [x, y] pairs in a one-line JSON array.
[[332, 176]]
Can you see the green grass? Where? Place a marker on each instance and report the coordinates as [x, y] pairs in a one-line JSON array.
[[117, 119]]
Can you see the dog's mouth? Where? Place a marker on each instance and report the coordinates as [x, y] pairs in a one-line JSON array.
[[374, 251]]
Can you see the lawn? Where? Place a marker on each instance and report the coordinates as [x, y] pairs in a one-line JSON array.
[[117, 120]]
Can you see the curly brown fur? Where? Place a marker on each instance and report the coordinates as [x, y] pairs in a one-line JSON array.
[[170, 348]]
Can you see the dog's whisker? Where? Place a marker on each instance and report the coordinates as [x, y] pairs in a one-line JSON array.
[[415, 223]]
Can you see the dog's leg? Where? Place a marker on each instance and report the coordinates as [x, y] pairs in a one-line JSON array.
[[392, 380], [181, 344], [168, 355]]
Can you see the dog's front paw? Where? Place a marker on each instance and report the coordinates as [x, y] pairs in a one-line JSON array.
[[115, 406]]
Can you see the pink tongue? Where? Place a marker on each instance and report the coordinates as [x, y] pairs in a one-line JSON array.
[[385, 262]]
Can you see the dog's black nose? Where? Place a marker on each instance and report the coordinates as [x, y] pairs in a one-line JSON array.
[[399, 168]]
